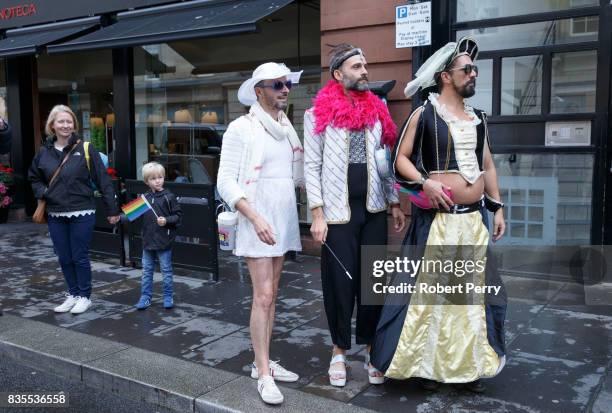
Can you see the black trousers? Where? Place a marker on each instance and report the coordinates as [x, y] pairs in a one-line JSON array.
[[339, 292]]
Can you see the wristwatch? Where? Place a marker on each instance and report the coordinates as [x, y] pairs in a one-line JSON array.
[[422, 180]]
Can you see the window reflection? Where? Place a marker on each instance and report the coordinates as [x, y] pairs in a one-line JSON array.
[[548, 197], [186, 91], [573, 82], [181, 117], [566, 31], [468, 10], [521, 85], [3, 109], [483, 99], [84, 82]]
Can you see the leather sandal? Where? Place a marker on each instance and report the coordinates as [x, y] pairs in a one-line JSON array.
[[337, 377]]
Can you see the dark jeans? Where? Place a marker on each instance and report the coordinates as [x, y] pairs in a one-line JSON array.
[[71, 240], [148, 267]]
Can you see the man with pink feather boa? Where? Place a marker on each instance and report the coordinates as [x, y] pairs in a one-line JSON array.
[[348, 197]]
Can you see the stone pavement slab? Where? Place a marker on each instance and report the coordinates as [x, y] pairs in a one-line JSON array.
[[405, 396], [241, 395], [133, 325], [182, 338], [51, 347], [568, 335], [603, 402], [577, 297], [154, 378]]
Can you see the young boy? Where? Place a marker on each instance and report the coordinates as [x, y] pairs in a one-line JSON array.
[[158, 234]]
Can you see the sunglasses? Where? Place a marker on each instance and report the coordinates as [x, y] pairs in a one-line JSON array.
[[467, 69], [278, 85]]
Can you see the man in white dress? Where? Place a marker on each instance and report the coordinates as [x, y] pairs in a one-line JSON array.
[[261, 163]]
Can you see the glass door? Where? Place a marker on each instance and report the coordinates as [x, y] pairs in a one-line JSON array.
[[539, 64]]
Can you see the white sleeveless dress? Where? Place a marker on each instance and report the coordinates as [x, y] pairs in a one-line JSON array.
[[275, 202]]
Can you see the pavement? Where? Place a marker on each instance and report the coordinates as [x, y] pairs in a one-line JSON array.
[[196, 357], [19, 378]]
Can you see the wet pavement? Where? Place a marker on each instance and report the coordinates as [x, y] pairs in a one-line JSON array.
[[559, 347]]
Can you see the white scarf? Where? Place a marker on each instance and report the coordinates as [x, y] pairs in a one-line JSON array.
[[280, 130]]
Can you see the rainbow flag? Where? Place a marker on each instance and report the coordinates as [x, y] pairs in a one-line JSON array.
[[136, 208]]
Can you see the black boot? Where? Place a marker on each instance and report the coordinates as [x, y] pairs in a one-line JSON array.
[[430, 385], [475, 386]]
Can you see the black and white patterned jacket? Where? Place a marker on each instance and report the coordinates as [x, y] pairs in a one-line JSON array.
[[325, 170]]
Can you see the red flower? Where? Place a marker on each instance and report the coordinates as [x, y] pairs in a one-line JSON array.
[[112, 172]]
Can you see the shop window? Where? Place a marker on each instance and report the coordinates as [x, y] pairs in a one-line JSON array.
[[547, 33], [185, 92], [3, 108], [573, 82], [84, 82], [4, 159], [483, 99], [585, 26], [548, 198], [181, 115], [521, 92], [469, 10]]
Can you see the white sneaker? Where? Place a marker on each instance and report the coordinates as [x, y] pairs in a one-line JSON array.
[[278, 372], [81, 306], [268, 391], [68, 303]]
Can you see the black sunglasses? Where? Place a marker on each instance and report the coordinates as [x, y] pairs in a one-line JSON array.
[[278, 85], [467, 69]]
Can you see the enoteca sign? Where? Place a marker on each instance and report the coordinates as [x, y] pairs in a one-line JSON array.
[[413, 25], [18, 13], [21, 10]]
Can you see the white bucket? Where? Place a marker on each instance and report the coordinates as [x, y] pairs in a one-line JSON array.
[[227, 230]]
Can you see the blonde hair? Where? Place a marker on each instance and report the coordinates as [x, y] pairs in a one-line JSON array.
[[57, 109], [152, 169]]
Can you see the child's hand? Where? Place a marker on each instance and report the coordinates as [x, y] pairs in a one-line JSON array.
[[161, 221], [113, 219]]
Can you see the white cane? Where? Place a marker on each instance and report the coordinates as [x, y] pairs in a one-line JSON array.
[[338, 260]]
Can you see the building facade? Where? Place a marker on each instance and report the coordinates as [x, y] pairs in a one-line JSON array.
[[157, 80]]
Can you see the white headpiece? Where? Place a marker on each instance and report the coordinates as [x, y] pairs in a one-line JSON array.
[[266, 71], [441, 59]]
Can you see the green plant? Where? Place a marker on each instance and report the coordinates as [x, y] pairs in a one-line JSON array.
[[97, 136]]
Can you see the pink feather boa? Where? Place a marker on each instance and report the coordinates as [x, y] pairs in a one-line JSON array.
[[333, 107]]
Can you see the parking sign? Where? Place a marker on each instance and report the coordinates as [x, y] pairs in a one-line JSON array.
[[413, 25]]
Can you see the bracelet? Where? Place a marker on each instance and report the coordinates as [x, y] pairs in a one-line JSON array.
[[492, 204]]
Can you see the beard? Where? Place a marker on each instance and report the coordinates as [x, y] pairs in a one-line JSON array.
[[466, 91], [280, 105], [272, 102], [356, 84]]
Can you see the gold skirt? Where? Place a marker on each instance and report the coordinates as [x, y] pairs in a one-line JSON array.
[[443, 341]]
